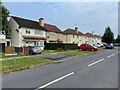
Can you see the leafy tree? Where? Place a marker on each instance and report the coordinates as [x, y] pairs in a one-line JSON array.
[[4, 14], [118, 39], [108, 36]]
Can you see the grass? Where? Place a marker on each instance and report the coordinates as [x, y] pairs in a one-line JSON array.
[[72, 52], [1, 54], [22, 63]]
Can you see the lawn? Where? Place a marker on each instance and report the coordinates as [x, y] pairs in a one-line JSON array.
[[22, 63], [72, 52], [1, 55]]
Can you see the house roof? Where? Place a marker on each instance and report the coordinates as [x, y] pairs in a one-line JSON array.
[[98, 36], [52, 28], [33, 37], [34, 24], [72, 31], [27, 23], [89, 34]]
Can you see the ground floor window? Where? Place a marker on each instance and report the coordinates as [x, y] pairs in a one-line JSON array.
[[40, 43]]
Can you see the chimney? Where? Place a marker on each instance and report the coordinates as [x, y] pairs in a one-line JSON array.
[[93, 32], [41, 22], [76, 29]]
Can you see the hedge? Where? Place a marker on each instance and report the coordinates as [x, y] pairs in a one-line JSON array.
[[54, 46]]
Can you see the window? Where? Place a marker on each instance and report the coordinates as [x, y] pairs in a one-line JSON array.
[[27, 31], [83, 44], [52, 33], [77, 36], [40, 43], [38, 32], [73, 36]]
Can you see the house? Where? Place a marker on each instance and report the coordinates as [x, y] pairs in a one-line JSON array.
[[73, 36], [3, 38], [53, 33], [91, 37], [25, 32], [97, 38]]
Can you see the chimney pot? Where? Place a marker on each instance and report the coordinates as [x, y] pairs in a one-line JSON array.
[[41, 22], [76, 29]]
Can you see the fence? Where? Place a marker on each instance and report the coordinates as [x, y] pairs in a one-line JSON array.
[[9, 49], [18, 50]]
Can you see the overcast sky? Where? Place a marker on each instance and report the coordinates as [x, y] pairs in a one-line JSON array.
[[87, 16]]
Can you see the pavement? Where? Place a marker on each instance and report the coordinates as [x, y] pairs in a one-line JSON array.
[[94, 71]]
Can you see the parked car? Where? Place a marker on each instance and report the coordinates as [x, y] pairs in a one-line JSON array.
[[34, 50], [88, 47], [109, 46], [97, 44], [117, 44]]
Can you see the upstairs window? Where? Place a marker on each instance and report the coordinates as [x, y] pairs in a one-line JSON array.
[[73, 36], [27, 31], [38, 32], [52, 33]]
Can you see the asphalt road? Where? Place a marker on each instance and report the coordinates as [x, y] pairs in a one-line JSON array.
[[94, 71]]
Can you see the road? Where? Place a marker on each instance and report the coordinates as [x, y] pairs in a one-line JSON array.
[[94, 71]]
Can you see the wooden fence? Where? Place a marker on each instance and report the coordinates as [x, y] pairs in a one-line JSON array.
[[9, 49]]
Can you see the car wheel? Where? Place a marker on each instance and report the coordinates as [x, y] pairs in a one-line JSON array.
[[81, 49], [30, 53], [92, 49]]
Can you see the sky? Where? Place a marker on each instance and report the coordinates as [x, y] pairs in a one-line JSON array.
[[87, 16]]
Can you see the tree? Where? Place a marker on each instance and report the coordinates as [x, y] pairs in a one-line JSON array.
[[108, 36], [118, 39], [4, 14]]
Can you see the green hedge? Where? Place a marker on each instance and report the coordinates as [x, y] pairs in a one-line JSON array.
[[54, 46]]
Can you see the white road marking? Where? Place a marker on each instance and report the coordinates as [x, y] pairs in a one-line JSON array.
[[55, 81], [96, 62], [111, 55], [118, 52]]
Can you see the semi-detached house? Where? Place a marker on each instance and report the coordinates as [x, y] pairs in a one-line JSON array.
[[26, 32], [53, 33], [73, 36], [91, 37]]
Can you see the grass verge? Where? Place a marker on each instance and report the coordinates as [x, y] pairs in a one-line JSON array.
[[72, 52], [22, 63]]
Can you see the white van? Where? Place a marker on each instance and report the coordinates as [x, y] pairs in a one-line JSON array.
[[97, 44]]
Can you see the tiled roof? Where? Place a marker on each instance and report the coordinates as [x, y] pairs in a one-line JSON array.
[[27, 23], [97, 36], [52, 28], [33, 37], [89, 35], [72, 31], [34, 24]]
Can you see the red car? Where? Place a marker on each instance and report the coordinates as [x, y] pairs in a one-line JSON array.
[[88, 47]]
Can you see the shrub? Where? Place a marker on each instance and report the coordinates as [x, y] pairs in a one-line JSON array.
[[60, 46]]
